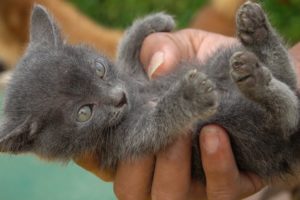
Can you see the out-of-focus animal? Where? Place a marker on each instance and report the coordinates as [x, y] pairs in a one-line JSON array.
[[217, 16], [14, 25]]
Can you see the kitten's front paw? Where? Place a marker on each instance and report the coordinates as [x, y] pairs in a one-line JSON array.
[[199, 93], [247, 72], [252, 25]]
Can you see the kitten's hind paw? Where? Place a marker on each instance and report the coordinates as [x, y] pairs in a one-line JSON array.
[[252, 24], [256, 82], [247, 71], [199, 93]]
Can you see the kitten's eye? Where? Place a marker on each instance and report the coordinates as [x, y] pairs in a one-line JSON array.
[[101, 68], [84, 113]]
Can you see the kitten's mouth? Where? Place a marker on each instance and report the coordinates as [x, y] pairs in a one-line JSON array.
[[120, 109], [117, 117]]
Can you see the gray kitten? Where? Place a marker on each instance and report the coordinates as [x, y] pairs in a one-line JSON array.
[[64, 100]]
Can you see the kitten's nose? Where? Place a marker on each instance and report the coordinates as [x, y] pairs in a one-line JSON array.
[[118, 96], [122, 101]]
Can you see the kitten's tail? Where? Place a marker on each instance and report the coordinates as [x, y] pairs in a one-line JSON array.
[[130, 46]]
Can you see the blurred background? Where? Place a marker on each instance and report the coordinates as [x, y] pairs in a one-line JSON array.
[[100, 23]]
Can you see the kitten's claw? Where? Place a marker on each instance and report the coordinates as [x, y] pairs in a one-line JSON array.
[[192, 74], [247, 71], [252, 25], [200, 92]]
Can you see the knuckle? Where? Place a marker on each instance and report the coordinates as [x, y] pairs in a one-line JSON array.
[[173, 158], [221, 194], [159, 195]]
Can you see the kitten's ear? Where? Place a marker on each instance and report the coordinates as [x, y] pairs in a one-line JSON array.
[[17, 137], [43, 29]]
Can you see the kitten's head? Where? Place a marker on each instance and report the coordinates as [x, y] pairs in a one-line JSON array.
[[62, 99]]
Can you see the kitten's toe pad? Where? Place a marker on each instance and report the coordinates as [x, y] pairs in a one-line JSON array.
[[252, 24], [200, 80], [246, 70], [200, 92]]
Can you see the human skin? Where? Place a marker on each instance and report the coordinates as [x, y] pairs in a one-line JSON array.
[[167, 175]]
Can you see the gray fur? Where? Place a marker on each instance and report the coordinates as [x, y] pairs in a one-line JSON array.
[[249, 89]]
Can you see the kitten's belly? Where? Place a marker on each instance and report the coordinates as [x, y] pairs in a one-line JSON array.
[[257, 148]]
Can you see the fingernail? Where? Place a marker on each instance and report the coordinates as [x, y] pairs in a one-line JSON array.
[[156, 61], [211, 139]]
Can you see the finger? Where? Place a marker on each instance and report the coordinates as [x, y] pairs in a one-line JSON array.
[[224, 181], [162, 51], [90, 163], [159, 53], [133, 179], [172, 175], [218, 163], [197, 191], [295, 53], [250, 184]]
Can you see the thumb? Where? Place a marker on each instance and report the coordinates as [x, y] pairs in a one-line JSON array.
[[223, 178], [218, 163], [161, 52]]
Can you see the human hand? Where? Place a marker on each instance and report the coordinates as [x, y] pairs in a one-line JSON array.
[[168, 176], [90, 162]]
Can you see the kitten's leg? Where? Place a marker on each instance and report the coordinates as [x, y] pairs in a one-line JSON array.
[[191, 98], [257, 35], [257, 83], [130, 46]]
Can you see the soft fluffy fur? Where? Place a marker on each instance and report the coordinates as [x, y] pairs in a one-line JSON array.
[[249, 89]]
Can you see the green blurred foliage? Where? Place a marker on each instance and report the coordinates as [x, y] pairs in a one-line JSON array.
[[120, 14], [284, 14]]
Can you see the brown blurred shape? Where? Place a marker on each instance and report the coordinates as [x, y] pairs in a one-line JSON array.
[[218, 16], [14, 24]]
